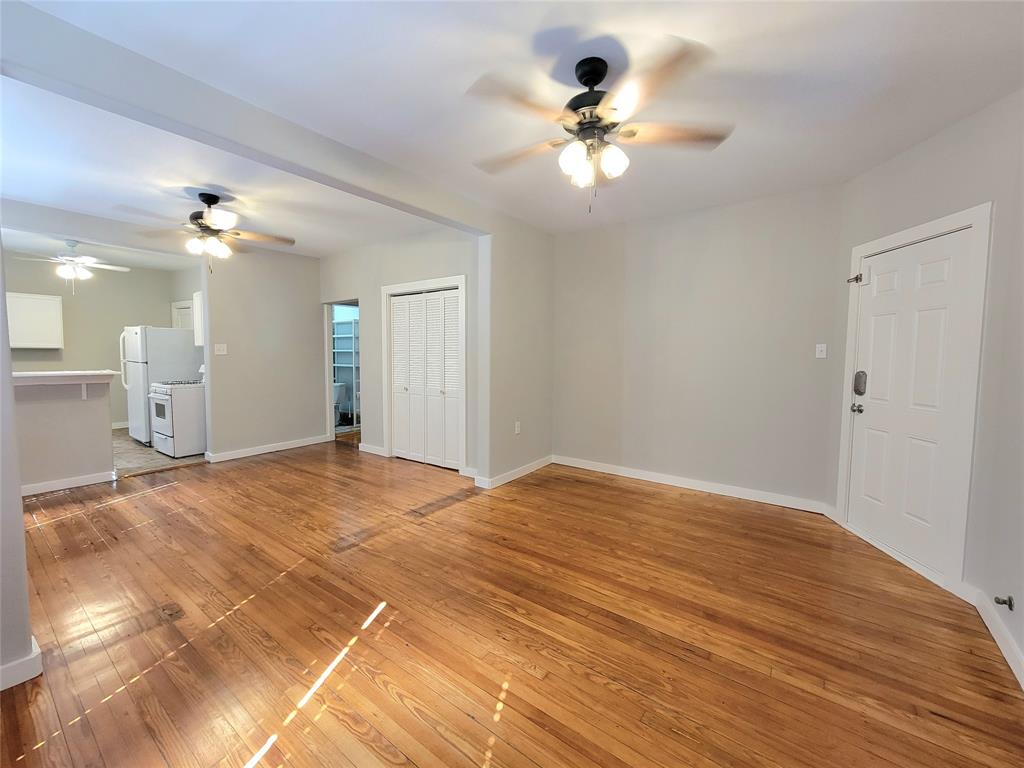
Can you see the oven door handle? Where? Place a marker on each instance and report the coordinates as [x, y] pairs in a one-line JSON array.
[[155, 396]]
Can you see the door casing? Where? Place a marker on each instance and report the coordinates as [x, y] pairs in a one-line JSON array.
[[978, 221]]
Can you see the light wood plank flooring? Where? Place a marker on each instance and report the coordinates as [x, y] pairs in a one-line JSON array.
[[322, 607]]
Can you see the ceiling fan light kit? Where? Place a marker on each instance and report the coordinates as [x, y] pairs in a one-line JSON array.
[[213, 225], [597, 119]]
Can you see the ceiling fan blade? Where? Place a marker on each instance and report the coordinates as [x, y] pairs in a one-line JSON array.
[[496, 89], [671, 133], [242, 234], [633, 91], [111, 267], [499, 163], [30, 258]]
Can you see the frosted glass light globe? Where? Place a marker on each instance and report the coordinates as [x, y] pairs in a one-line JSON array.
[[573, 157], [584, 176], [614, 161], [195, 246]]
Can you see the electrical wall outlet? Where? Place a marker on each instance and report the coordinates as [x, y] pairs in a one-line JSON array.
[[220, 349], [518, 427], [821, 351]]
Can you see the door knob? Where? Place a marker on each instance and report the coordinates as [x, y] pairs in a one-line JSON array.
[[405, 389], [857, 408], [442, 391]]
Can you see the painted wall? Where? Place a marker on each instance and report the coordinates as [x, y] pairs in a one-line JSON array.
[[185, 282], [686, 346], [360, 274], [15, 632], [269, 388], [977, 160], [93, 318]]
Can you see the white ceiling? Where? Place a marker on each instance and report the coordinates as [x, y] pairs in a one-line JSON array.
[[818, 91], [66, 155], [47, 245]]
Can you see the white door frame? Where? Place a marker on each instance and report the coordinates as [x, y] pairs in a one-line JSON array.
[[978, 221], [329, 365], [421, 286]]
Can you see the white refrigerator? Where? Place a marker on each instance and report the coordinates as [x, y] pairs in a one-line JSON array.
[[151, 355]]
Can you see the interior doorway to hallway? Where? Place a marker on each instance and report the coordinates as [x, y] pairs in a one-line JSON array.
[[345, 377]]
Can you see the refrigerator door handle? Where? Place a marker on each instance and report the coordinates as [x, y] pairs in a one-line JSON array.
[[120, 345]]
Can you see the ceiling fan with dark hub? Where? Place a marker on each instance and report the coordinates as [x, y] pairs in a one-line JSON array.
[[597, 120], [214, 226]]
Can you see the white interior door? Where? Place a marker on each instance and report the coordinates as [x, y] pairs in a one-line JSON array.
[[435, 405], [454, 391], [417, 377], [400, 375], [918, 340], [181, 314]]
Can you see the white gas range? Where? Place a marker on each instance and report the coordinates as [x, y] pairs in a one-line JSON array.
[[178, 417]]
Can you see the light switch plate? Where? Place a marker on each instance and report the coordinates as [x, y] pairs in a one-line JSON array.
[[821, 351], [220, 349], [518, 427]]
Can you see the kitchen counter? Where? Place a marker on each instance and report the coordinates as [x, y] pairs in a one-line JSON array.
[[63, 425]]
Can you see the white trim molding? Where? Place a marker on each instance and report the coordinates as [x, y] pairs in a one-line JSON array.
[[119, 425], [241, 453], [18, 671], [67, 482], [738, 492], [513, 474], [376, 450], [1001, 633]]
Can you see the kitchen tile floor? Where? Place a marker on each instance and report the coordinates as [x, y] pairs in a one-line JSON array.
[[132, 458]]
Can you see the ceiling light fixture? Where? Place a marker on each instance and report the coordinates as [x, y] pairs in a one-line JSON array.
[[218, 218], [196, 246], [578, 159], [218, 248]]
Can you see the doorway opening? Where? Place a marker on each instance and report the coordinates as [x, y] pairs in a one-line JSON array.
[[345, 376]]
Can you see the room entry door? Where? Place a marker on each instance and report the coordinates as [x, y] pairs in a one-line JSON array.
[[427, 389], [918, 343]]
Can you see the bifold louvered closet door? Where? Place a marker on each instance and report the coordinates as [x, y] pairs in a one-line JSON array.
[[427, 391]]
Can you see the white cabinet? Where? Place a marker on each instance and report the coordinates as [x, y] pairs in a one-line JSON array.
[[36, 321], [427, 391], [198, 319]]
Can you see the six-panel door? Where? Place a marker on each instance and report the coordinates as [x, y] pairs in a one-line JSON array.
[[909, 474]]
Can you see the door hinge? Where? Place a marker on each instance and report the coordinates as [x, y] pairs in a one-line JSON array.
[[859, 277]]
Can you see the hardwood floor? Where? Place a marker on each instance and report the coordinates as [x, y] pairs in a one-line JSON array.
[[322, 607]]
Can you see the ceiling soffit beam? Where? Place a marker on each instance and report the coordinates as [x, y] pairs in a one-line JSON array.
[[47, 52]]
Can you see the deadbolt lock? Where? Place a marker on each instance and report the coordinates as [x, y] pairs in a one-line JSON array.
[[857, 408]]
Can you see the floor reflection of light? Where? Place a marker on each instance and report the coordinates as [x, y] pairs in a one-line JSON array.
[[326, 673], [498, 706], [261, 752], [168, 655], [375, 614]]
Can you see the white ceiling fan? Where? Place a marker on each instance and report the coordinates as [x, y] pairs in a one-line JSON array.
[[74, 266]]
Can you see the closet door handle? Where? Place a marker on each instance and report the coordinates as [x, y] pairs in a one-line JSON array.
[[442, 391], [406, 389]]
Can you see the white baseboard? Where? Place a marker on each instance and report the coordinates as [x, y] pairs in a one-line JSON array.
[[468, 472], [20, 670], [513, 474], [119, 425], [993, 618], [376, 450], [67, 482], [241, 453], [750, 494]]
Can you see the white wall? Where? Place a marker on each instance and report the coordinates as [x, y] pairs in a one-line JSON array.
[[974, 161], [270, 387], [94, 317], [686, 346], [15, 633], [185, 282], [360, 274]]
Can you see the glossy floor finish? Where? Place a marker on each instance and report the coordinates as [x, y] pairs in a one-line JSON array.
[[322, 607]]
